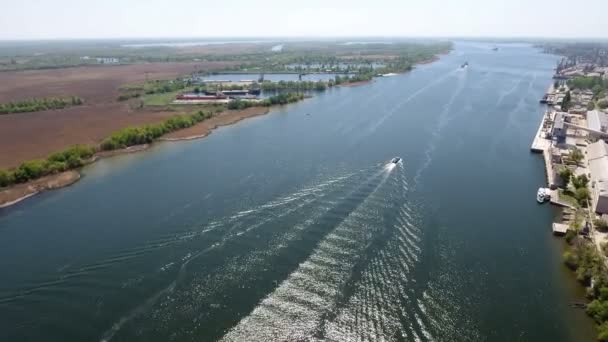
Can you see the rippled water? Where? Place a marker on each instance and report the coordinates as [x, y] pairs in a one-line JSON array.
[[294, 226]]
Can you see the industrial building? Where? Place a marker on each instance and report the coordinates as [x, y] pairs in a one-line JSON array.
[[597, 156]]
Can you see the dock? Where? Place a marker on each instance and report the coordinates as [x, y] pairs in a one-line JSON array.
[[540, 144], [560, 228]]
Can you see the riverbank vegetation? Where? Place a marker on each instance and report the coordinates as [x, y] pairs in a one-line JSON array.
[[39, 104], [590, 268], [292, 85], [76, 156], [144, 135], [595, 84], [280, 99], [70, 158], [130, 91]]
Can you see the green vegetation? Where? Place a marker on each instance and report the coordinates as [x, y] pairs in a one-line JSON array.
[[576, 155], [590, 268], [567, 101], [70, 158], [147, 134], [595, 84], [565, 174], [130, 91], [39, 104], [76, 156], [294, 85], [600, 224], [281, 99]]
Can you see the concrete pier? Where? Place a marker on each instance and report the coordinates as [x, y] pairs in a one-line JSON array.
[[542, 145]]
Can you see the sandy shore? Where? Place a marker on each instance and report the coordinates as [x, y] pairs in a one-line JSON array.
[[19, 192], [130, 149], [203, 129]]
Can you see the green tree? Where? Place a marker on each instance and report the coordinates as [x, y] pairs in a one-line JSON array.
[[580, 181], [602, 332], [571, 260], [566, 101], [565, 174], [581, 195], [6, 178], [576, 155]]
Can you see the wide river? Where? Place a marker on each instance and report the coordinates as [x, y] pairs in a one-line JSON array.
[[294, 227]]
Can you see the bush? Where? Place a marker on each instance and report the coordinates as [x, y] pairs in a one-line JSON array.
[[570, 236], [576, 155], [598, 309], [144, 135], [6, 178], [602, 332], [581, 195], [580, 181], [600, 224], [70, 158], [565, 174], [571, 260]]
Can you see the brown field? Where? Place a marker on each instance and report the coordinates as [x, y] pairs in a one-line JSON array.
[[25, 136]]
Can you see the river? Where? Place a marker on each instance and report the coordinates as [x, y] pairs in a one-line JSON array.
[[295, 226]]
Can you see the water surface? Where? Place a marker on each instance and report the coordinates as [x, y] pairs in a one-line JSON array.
[[294, 226]]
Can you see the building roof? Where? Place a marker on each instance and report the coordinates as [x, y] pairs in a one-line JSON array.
[[558, 123], [599, 173], [597, 150], [596, 120]]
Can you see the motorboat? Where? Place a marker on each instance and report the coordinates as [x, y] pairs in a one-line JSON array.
[[543, 195], [395, 160], [465, 65]]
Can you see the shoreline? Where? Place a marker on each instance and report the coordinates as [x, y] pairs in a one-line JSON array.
[[19, 192]]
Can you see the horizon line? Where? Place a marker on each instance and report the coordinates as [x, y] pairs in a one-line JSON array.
[[302, 37]]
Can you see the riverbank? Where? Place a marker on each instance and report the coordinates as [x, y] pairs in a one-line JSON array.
[[19, 192], [204, 128], [355, 84]]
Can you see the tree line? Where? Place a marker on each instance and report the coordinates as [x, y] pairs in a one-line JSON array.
[[146, 134], [70, 158], [281, 99], [153, 87], [588, 264], [293, 85], [39, 104]]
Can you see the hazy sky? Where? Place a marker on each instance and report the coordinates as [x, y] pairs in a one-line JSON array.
[[29, 19]]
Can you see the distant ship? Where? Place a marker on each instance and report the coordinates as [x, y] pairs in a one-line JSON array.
[[495, 49], [466, 64]]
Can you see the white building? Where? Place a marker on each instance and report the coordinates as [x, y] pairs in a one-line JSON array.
[[597, 120], [597, 156], [107, 60]]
